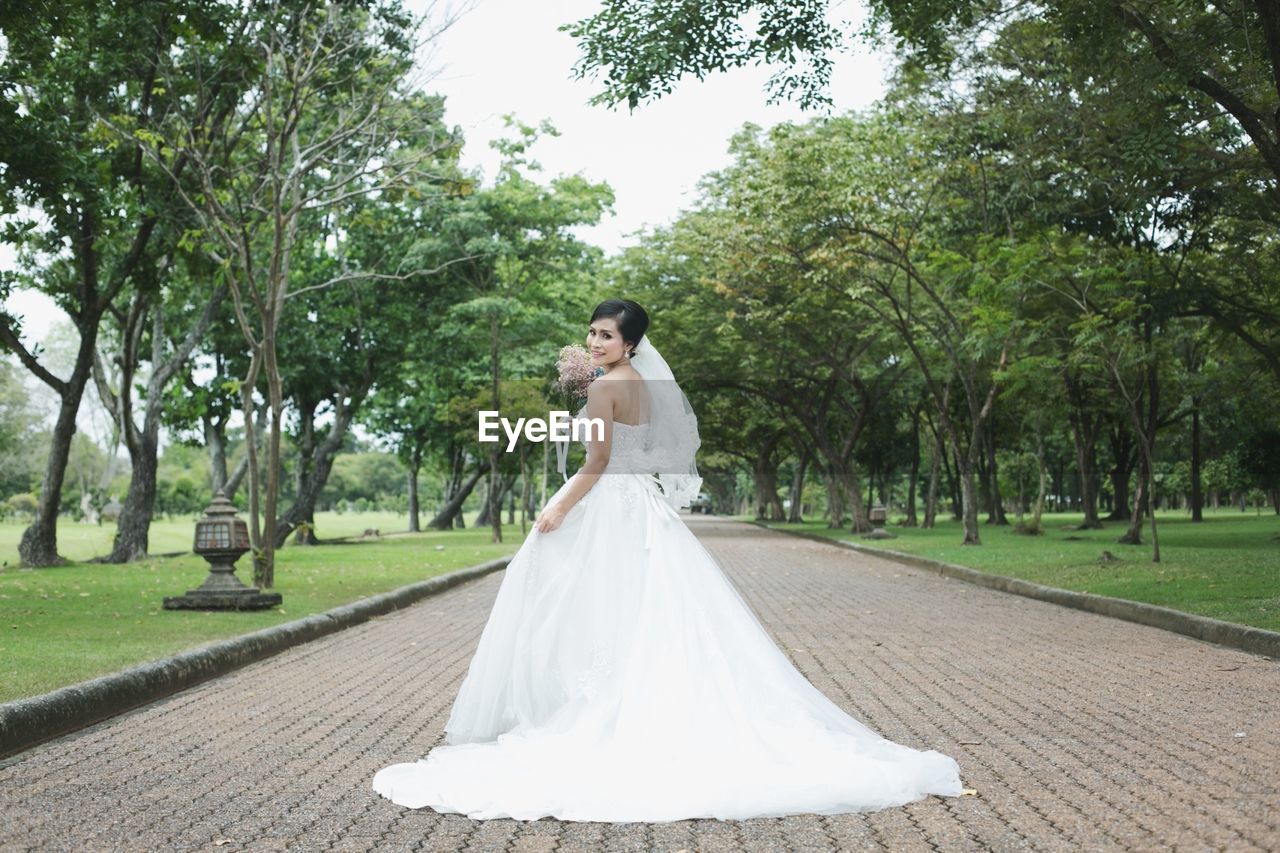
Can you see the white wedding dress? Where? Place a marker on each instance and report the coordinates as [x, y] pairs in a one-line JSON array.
[[622, 677]]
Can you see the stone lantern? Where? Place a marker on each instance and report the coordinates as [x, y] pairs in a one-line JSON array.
[[877, 517], [222, 538]]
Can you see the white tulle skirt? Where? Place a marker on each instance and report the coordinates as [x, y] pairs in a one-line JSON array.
[[622, 677]]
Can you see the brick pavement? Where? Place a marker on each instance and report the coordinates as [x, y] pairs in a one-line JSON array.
[[1077, 731]]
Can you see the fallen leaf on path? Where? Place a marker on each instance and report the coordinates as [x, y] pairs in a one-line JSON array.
[[969, 792]]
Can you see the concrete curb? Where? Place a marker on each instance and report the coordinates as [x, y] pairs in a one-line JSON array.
[[1243, 637], [25, 723]]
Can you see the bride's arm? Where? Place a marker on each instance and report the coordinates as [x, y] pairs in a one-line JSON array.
[[600, 401]]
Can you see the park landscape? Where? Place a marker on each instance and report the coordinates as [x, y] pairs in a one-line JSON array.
[[1025, 301]]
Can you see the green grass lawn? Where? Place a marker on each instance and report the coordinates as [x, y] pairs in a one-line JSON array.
[[1226, 567], [78, 541], [66, 624]]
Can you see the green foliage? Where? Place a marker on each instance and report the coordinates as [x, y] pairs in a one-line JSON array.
[[20, 505], [643, 48], [1260, 456], [371, 478], [19, 423]]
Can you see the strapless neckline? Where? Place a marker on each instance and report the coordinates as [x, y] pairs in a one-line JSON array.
[[582, 413]]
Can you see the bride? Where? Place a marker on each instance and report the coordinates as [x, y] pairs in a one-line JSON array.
[[621, 676]]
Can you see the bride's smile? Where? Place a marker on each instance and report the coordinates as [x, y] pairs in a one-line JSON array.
[[607, 345]]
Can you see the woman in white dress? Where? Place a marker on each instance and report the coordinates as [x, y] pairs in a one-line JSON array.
[[621, 676]]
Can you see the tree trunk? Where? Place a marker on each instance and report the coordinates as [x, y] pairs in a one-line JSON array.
[[849, 479], [1133, 534], [493, 501], [492, 513], [1041, 470], [39, 545], [248, 408], [949, 468], [795, 514], [969, 505], [415, 464], [134, 524], [454, 477], [486, 503], [768, 506], [935, 468], [995, 514], [982, 482], [835, 502], [965, 465], [1146, 439], [323, 455], [914, 475], [493, 506], [301, 522], [215, 442], [1084, 431], [1124, 452], [1197, 494], [266, 577], [444, 519], [238, 475]]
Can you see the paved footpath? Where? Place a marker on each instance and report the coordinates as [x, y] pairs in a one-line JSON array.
[[1075, 730]]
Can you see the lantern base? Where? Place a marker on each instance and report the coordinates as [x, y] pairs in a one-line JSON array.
[[246, 598]]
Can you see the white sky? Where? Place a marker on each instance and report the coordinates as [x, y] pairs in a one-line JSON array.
[[507, 56]]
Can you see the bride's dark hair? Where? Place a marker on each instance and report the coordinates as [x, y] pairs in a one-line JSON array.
[[631, 318]]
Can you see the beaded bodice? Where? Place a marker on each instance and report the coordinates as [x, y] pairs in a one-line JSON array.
[[626, 451]]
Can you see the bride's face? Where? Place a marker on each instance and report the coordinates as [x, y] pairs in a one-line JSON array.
[[604, 342]]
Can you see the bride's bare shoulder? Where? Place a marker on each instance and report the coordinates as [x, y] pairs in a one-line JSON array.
[[621, 372]]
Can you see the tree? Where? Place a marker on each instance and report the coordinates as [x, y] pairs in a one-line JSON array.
[[1144, 79], [869, 209], [516, 255], [149, 314], [90, 206], [330, 116], [344, 339]]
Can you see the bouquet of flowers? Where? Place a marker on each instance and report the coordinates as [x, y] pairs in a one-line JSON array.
[[576, 373]]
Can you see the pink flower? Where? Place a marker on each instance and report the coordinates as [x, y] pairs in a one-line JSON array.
[[576, 372]]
